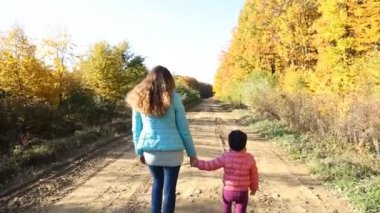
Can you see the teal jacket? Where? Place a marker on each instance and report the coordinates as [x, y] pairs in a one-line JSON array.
[[165, 133]]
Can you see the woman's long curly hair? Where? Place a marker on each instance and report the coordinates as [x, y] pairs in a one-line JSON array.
[[153, 95]]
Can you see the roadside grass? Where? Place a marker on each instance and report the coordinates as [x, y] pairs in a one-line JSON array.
[[355, 175], [26, 161]]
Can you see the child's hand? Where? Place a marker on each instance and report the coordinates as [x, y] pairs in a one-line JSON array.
[[253, 193], [142, 159], [193, 161]]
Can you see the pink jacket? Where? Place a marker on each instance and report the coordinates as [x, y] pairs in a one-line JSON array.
[[240, 171]]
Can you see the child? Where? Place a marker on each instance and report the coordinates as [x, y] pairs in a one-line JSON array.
[[240, 172]]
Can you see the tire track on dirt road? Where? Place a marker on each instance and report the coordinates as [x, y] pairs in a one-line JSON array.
[[61, 182]]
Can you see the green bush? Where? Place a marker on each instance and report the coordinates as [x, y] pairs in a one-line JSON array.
[[257, 88], [366, 194], [88, 135], [188, 95], [335, 168], [8, 170], [62, 145], [103, 113], [271, 129], [33, 156], [205, 90], [9, 129], [120, 126], [47, 152]]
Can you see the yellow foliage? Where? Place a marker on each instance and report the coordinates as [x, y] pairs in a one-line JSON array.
[[323, 57], [293, 81], [21, 73]]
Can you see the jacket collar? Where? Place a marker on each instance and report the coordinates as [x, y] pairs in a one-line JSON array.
[[241, 151]]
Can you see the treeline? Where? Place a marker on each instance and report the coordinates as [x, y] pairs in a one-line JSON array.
[[192, 89], [48, 92], [53, 101], [313, 64]]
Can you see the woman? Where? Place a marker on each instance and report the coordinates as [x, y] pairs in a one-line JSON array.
[[160, 134]]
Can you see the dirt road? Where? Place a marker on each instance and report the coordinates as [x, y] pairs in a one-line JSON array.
[[117, 183]]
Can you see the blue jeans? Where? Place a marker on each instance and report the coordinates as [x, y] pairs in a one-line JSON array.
[[164, 179]]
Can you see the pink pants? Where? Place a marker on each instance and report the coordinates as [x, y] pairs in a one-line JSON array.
[[239, 197]]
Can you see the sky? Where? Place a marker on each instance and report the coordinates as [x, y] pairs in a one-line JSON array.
[[186, 36]]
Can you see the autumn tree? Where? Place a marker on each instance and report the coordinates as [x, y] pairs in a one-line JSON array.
[[58, 53], [21, 73], [111, 71], [253, 47], [305, 55], [363, 26], [295, 34], [187, 81], [204, 90]]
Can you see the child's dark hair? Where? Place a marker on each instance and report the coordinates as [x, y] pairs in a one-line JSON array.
[[237, 140]]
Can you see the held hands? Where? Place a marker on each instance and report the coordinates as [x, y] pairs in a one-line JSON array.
[[193, 161], [142, 159]]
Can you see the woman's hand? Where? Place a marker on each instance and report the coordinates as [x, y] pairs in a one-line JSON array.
[[142, 159], [193, 161]]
